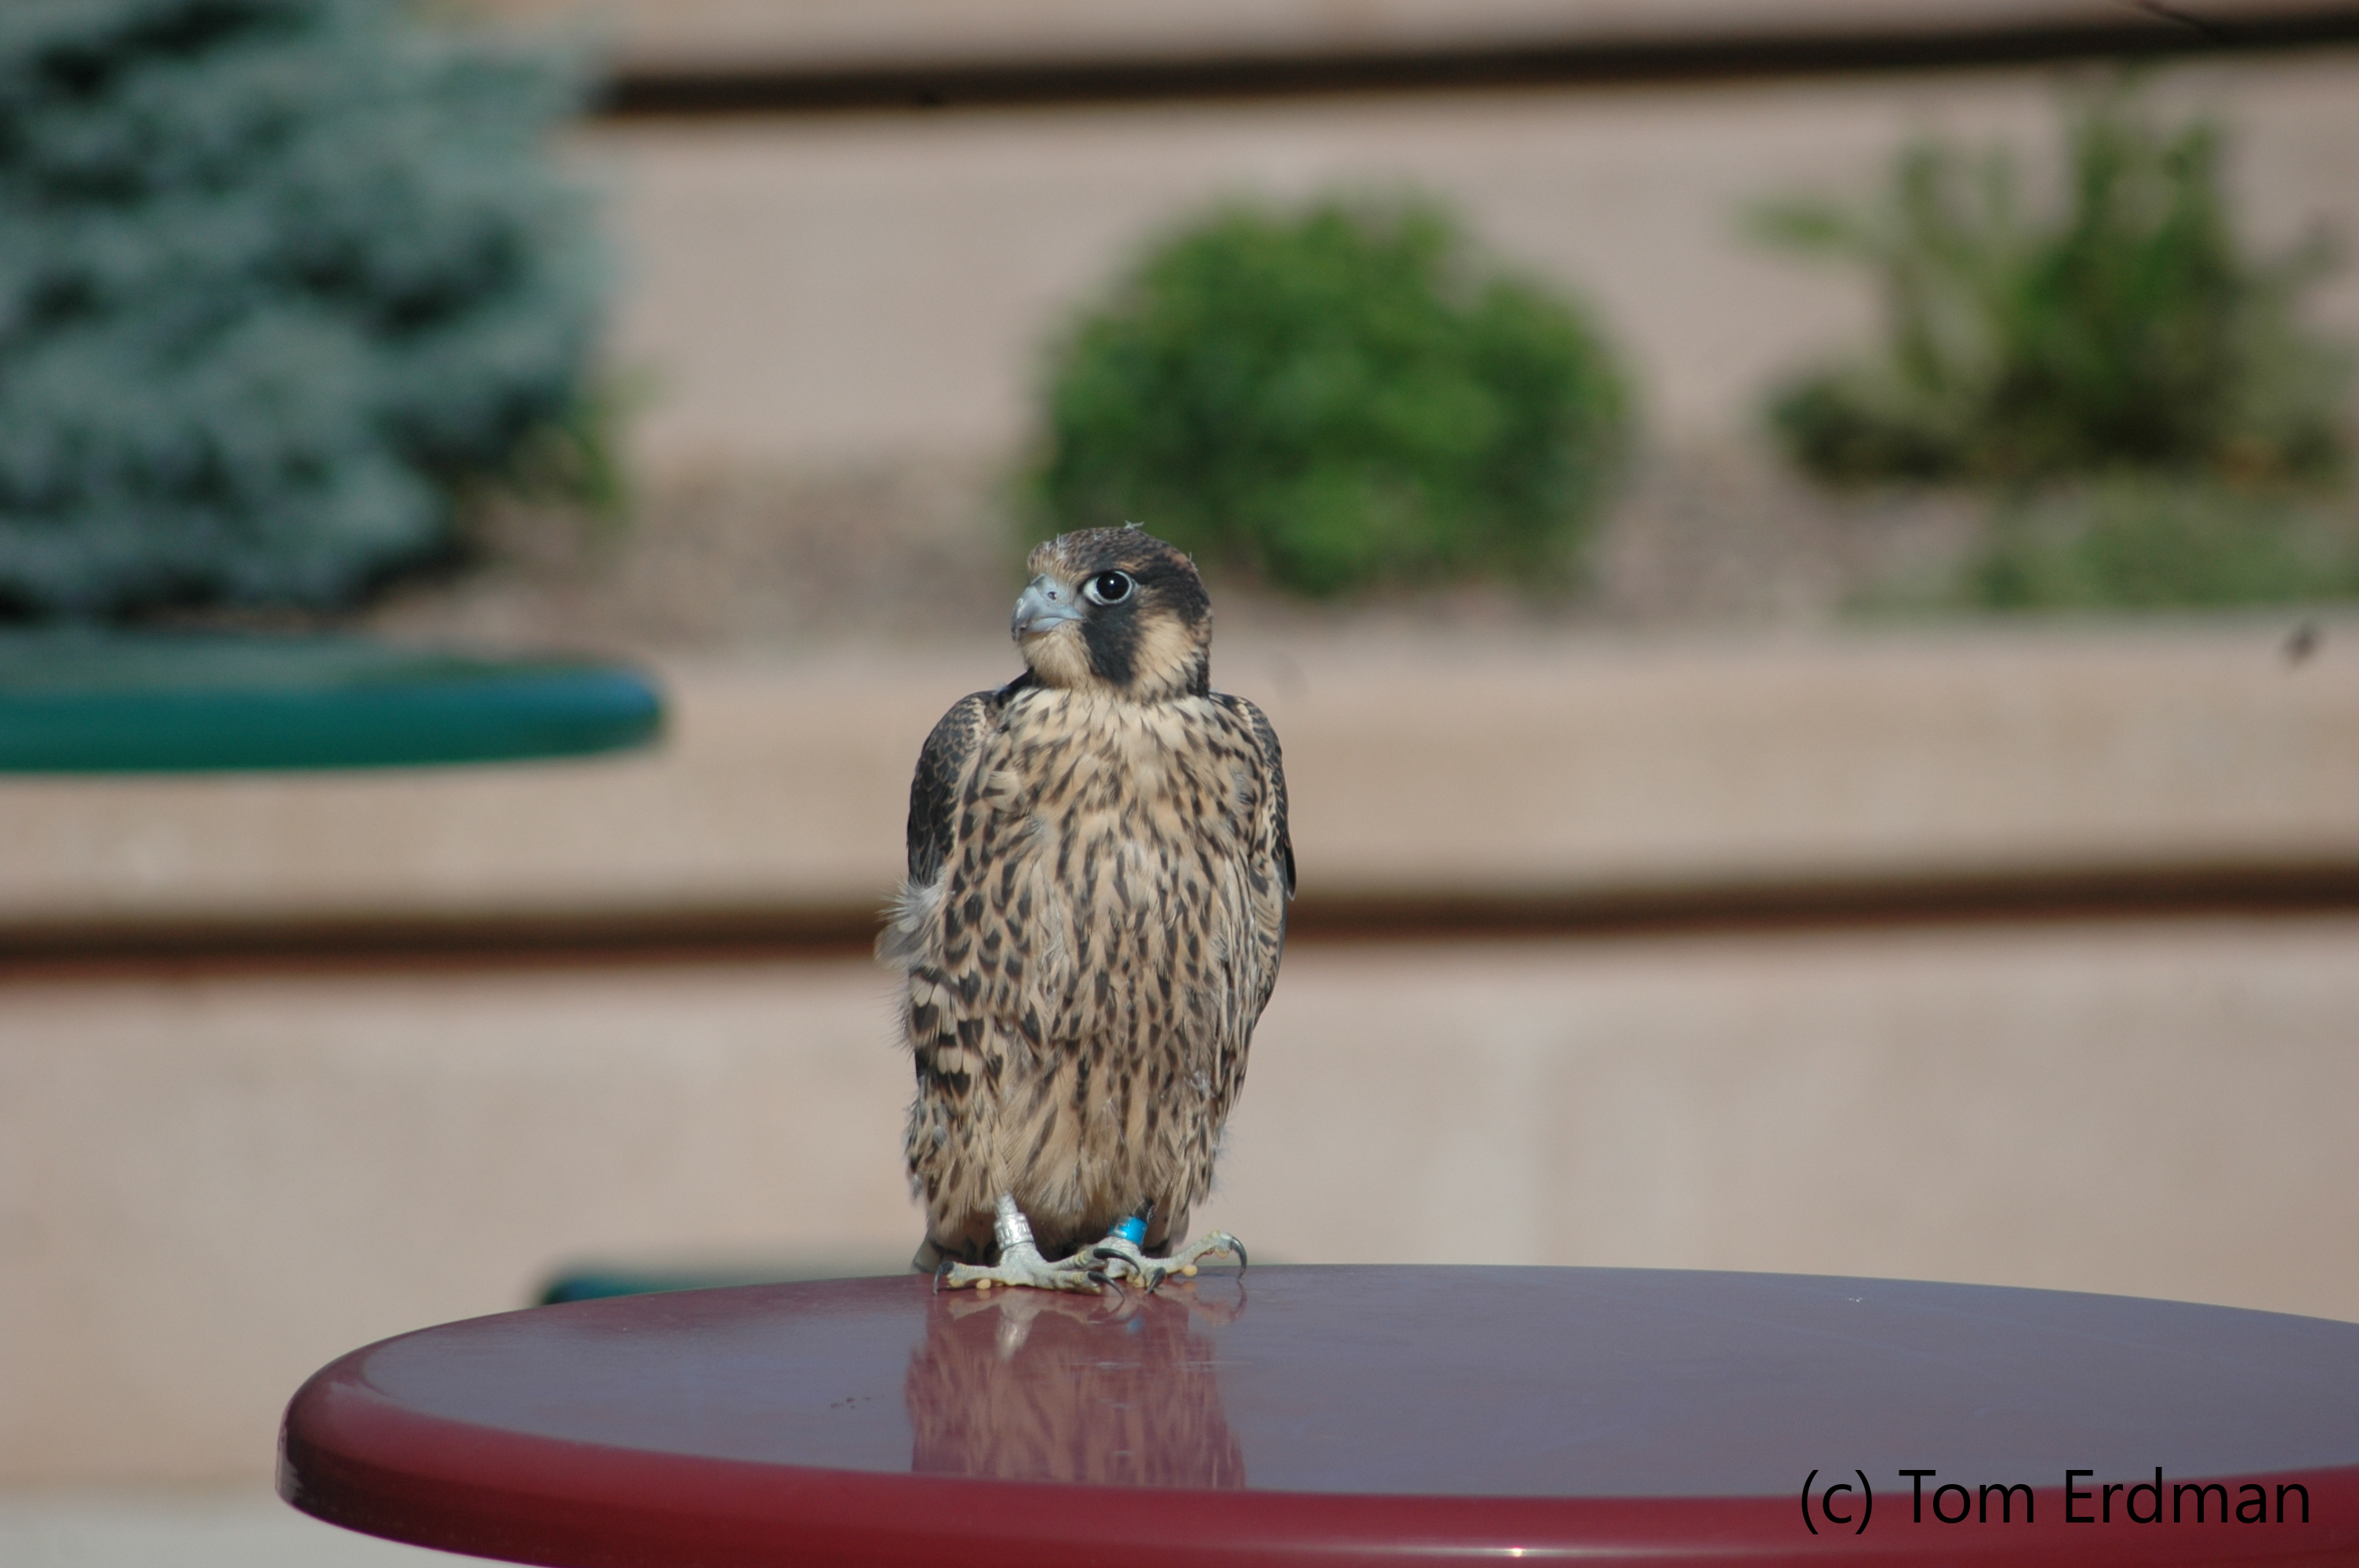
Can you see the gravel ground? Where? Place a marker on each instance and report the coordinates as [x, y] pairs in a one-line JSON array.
[[743, 558]]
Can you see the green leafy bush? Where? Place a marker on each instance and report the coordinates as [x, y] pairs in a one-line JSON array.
[[278, 279], [2127, 329], [1335, 397]]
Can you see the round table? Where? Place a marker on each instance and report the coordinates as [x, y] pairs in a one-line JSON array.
[[1341, 1416]]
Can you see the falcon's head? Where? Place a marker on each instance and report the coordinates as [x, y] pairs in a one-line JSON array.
[[1116, 609]]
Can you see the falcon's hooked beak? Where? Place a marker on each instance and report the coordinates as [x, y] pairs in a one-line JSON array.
[[1045, 604]]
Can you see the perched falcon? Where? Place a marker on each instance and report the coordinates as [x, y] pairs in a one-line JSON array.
[[1098, 876]]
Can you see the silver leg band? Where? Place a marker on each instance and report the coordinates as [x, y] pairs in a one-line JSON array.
[[1012, 1228]]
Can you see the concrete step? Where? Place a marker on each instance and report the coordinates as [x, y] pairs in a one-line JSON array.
[[734, 36], [1523, 780], [218, 1180]]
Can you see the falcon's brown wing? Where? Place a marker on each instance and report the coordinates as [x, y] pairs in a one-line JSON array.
[[1263, 733], [934, 788]]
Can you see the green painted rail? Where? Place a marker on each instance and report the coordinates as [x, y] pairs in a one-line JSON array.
[[82, 702]]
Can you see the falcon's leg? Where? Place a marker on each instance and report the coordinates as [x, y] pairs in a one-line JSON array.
[[1020, 1263], [1119, 1252]]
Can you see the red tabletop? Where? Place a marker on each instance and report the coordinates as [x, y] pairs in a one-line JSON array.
[[1344, 1416]]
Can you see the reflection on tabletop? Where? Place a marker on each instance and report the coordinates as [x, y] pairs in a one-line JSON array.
[[1118, 1390]]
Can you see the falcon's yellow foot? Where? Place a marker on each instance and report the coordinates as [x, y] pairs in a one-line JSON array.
[[1020, 1263], [1120, 1258]]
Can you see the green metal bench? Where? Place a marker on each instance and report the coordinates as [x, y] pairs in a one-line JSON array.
[[89, 701]]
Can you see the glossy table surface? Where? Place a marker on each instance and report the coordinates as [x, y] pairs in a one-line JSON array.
[[1347, 1416]]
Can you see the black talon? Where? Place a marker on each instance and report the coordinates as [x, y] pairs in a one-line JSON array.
[[1240, 1248]]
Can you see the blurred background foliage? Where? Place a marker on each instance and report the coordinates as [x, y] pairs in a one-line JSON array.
[[2137, 539], [1333, 398], [2155, 424], [291, 289], [281, 282]]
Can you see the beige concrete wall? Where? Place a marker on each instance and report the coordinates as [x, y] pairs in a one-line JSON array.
[[813, 290], [212, 1184], [212, 1179], [1422, 766]]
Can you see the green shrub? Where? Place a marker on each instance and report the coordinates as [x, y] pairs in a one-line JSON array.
[[2127, 329], [2150, 541], [1335, 397], [278, 279]]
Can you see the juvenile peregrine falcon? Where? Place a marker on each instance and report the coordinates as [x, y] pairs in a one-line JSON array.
[[1096, 901]]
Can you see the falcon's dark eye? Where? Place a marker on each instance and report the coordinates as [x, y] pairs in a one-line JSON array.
[[1108, 587]]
